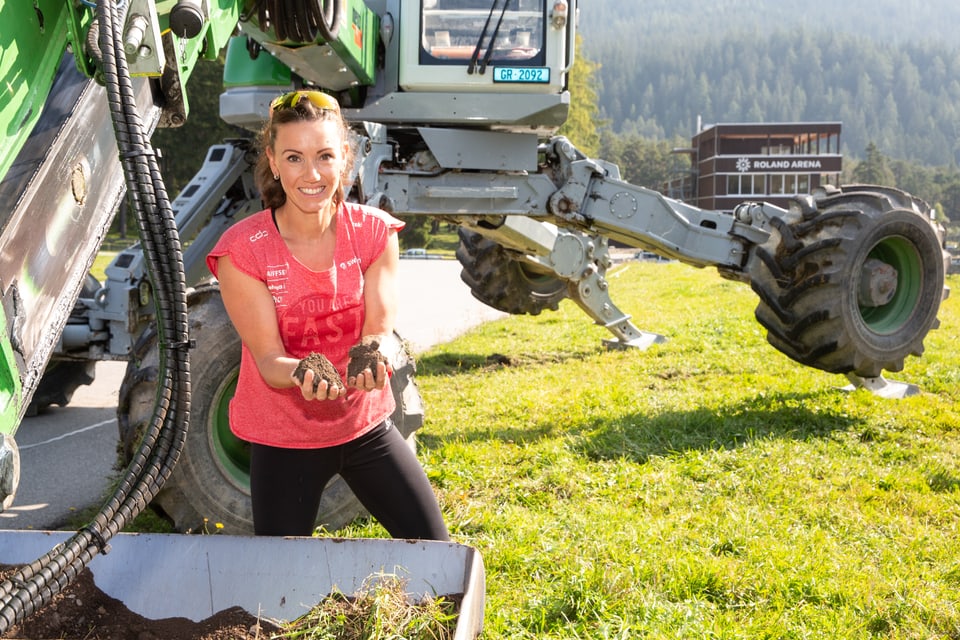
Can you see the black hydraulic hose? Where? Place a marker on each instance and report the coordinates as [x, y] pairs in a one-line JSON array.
[[302, 20], [327, 15], [34, 585]]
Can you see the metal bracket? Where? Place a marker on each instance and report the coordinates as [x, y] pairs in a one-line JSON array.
[[142, 41], [584, 261], [882, 387]]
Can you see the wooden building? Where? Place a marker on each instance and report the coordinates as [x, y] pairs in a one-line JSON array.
[[769, 162]]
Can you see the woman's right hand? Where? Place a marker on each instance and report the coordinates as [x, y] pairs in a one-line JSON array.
[[324, 391]]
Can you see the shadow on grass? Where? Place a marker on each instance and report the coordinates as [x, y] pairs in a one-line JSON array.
[[641, 436]]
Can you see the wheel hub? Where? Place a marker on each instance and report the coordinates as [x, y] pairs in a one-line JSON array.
[[878, 283], [890, 285]]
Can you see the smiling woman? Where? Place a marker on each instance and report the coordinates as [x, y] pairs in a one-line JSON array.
[[314, 275]]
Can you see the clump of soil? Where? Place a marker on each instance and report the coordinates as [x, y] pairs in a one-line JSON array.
[[81, 611], [365, 355], [322, 369]]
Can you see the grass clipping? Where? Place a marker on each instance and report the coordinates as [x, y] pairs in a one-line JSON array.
[[381, 610]]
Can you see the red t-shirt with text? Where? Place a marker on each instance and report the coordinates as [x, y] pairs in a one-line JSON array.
[[317, 311]]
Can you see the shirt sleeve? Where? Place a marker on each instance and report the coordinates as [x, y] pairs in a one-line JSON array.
[[235, 243], [374, 232]]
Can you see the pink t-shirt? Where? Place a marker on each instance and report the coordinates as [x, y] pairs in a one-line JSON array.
[[317, 311]]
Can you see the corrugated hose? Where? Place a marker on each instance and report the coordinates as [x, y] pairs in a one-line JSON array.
[[34, 585]]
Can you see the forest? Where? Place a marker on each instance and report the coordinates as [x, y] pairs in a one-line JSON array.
[[889, 72]]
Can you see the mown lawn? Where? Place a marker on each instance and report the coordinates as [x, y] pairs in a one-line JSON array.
[[708, 487]]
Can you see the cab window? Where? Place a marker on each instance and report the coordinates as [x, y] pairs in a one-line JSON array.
[[458, 31]]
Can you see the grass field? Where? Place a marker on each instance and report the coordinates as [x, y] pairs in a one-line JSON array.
[[708, 487], [101, 262]]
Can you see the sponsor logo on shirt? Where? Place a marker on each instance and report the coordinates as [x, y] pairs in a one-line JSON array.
[[276, 278]]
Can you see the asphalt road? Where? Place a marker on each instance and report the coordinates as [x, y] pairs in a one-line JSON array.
[[67, 453]]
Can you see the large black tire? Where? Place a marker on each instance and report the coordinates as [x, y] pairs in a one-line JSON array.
[[211, 481], [499, 280], [851, 282], [64, 376]]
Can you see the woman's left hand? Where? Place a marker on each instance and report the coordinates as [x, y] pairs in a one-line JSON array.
[[368, 380]]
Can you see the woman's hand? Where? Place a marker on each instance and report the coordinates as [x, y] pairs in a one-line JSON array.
[[321, 391], [368, 380]]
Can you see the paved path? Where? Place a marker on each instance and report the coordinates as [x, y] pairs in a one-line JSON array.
[[67, 454]]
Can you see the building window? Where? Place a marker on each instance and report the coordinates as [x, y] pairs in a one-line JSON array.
[[776, 150], [746, 184], [789, 184]]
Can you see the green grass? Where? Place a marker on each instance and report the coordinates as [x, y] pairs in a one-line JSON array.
[[708, 487], [100, 263], [444, 242]]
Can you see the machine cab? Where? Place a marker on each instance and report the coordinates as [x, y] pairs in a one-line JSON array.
[[509, 46]]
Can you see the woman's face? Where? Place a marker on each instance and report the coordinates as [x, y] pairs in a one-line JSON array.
[[308, 157]]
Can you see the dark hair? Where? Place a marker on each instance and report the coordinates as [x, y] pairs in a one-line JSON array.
[[271, 191]]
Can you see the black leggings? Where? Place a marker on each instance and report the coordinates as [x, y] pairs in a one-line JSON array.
[[380, 468]]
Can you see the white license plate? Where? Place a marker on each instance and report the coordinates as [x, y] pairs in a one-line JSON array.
[[538, 75]]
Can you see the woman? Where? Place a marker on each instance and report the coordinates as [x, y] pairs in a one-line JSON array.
[[314, 274]]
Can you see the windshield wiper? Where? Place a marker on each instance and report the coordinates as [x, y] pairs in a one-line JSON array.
[[493, 38], [483, 34]]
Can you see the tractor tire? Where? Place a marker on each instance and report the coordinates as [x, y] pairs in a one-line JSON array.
[[211, 481], [499, 280], [851, 280], [63, 376]]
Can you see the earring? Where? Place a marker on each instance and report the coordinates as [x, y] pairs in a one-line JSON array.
[[276, 176]]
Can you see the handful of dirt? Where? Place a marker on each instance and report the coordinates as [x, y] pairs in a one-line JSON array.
[[365, 355], [322, 369]]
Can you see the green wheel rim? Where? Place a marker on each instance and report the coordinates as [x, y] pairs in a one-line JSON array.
[[900, 254], [232, 454]]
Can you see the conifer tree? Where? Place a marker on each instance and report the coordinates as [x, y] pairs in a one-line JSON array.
[[874, 169], [582, 123]]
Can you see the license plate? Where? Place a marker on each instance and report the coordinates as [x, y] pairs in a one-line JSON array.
[[539, 75]]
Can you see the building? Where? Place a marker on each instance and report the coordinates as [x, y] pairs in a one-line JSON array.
[[734, 163]]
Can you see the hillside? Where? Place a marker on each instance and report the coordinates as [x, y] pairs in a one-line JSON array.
[[890, 72], [891, 21]]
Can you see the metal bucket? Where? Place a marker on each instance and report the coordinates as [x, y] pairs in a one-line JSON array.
[[279, 578]]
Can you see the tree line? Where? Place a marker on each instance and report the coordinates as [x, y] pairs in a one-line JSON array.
[[665, 65], [905, 99]]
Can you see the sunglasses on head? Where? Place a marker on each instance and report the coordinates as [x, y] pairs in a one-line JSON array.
[[320, 100]]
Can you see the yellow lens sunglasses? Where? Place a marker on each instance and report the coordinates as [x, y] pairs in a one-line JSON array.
[[320, 100]]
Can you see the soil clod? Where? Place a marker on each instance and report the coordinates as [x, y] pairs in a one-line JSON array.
[[365, 355], [322, 369]]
